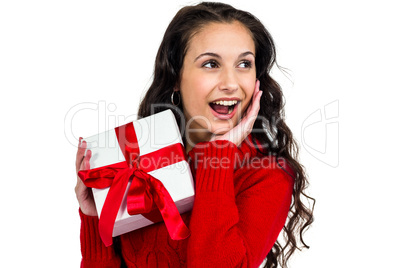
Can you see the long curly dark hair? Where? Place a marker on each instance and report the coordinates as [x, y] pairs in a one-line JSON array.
[[277, 137]]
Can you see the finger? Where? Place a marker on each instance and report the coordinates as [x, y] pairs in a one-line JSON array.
[[80, 153], [256, 103], [254, 108], [254, 98], [86, 159], [257, 86], [84, 165], [248, 121], [256, 92], [253, 114]]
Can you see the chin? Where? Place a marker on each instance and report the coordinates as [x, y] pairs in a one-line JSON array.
[[220, 129]]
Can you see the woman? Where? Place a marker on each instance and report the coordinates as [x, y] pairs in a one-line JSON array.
[[212, 70]]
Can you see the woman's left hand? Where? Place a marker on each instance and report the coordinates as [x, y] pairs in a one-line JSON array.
[[243, 129]]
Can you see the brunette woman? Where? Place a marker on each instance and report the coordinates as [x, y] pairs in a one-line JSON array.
[[213, 70]]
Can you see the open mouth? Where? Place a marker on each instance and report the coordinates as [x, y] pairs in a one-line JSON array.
[[224, 107]]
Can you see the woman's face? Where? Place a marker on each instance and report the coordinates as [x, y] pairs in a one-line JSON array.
[[217, 79]]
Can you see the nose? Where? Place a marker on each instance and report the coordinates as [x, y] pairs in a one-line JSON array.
[[228, 81]]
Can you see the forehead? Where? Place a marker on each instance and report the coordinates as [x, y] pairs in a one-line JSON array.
[[222, 38]]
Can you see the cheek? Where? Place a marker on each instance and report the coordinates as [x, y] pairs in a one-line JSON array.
[[192, 94], [195, 89], [202, 84], [249, 91]]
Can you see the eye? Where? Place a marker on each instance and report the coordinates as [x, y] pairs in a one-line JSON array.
[[211, 64], [245, 64]]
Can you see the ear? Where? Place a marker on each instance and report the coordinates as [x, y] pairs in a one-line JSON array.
[[176, 88]]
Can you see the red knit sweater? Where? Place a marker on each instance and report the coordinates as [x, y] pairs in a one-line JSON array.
[[241, 203]]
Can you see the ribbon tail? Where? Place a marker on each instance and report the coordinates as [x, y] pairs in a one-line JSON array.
[[171, 216], [139, 200], [111, 206]]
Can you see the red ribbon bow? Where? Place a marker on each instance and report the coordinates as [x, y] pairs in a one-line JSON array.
[[145, 190]]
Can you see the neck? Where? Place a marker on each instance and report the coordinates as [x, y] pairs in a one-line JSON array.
[[192, 138]]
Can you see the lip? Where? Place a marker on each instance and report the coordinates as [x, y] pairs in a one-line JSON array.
[[225, 116], [226, 99]]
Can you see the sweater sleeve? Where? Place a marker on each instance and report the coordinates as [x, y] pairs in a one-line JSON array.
[[94, 252], [231, 229]]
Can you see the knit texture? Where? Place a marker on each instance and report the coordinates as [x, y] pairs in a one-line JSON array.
[[242, 199]]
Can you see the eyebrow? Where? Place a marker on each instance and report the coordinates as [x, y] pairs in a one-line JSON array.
[[219, 57]]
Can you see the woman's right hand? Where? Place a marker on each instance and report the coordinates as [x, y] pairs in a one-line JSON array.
[[83, 193]]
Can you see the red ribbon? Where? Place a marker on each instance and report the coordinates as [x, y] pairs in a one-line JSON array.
[[145, 190]]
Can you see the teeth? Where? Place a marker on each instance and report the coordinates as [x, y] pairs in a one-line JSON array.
[[226, 103]]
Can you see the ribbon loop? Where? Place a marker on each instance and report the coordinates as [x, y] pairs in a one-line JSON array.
[[139, 197]]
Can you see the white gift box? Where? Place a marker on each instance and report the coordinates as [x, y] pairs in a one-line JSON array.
[[153, 133]]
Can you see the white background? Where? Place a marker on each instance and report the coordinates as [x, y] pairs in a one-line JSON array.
[[342, 55]]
